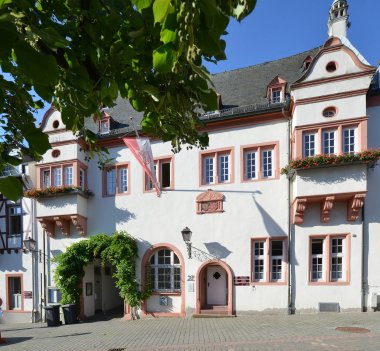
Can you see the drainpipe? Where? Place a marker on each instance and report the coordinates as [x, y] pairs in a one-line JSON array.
[[290, 233], [363, 258]]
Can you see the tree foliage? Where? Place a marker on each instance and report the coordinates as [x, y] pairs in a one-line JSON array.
[[82, 54], [120, 250]]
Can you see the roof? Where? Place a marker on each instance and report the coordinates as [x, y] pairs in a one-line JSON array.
[[239, 87]]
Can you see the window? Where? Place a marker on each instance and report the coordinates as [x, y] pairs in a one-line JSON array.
[[82, 179], [276, 95], [123, 179], [104, 126], [331, 67], [267, 157], [328, 261], [250, 164], [259, 162], [116, 180], [46, 179], [329, 142], [110, 181], [329, 112], [165, 271], [14, 293], [70, 173], [349, 140], [317, 259], [57, 176], [309, 144], [15, 230], [269, 260], [164, 174], [216, 167]]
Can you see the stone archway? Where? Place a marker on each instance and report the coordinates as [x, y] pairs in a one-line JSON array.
[[214, 269]]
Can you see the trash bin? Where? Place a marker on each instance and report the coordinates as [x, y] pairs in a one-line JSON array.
[[70, 313], [52, 315]]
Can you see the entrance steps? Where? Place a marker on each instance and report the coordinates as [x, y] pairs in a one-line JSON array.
[[213, 312]]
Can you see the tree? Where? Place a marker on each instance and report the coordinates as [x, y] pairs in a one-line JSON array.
[[82, 54]]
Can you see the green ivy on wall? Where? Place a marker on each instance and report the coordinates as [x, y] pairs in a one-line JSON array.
[[119, 249]]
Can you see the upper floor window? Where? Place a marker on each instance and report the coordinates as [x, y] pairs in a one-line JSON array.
[[350, 140], [269, 260], [165, 271], [164, 174], [309, 144], [329, 142], [66, 174], [259, 162], [216, 167], [328, 260], [14, 228], [116, 180], [276, 90]]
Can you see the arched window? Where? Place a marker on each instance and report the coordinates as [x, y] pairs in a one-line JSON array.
[[165, 271]]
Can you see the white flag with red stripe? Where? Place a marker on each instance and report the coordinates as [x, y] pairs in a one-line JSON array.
[[142, 150]]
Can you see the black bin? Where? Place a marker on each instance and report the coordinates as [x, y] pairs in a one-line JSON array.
[[70, 313], [52, 315]]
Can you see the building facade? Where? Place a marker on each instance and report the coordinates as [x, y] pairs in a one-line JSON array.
[[262, 241]]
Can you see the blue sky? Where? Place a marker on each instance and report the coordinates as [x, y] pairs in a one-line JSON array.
[[279, 28]]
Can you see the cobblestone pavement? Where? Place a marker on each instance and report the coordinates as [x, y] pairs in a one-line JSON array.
[[299, 332]]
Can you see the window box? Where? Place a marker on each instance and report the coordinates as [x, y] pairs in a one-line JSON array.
[[57, 191], [320, 161]]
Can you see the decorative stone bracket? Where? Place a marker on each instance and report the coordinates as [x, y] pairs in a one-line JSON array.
[[355, 202], [353, 207], [210, 202], [80, 223], [63, 223]]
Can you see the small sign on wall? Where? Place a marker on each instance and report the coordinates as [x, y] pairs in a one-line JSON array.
[[164, 301], [28, 295], [241, 280], [190, 287]]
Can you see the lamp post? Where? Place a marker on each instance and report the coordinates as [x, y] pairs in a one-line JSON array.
[[186, 236]]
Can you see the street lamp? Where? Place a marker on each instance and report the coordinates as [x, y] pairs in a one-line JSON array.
[[30, 244], [186, 236]]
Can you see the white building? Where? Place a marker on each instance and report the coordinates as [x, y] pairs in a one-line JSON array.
[[262, 241]]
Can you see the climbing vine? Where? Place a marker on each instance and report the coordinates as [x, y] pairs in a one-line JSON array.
[[119, 249]]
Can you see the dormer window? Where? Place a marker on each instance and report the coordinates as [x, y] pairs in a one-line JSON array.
[[104, 123], [306, 63], [104, 126], [276, 96], [276, 90]]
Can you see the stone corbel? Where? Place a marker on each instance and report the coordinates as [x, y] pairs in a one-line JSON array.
[[80, 223], [326, 207], [299, 209], [63, 224], [353, 207], [48, 226]]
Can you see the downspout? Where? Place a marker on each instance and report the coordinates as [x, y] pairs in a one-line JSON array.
[[364, 245], [290, 235]]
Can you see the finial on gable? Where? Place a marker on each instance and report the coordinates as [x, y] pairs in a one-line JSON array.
[[338, 19]]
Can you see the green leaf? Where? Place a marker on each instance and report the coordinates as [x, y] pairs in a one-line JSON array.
[[243, 8], [5, 2], [11, 188], [160, 10], [37, 140], [169, 29], [41, 68], [8, 35], [152, 91], [164, 58], [142, 4]]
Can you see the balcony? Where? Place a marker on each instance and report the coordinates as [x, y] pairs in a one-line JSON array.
[[61, 207]]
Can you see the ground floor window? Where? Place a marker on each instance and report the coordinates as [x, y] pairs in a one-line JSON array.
[[329, 258], [165, 271], [268, 260]]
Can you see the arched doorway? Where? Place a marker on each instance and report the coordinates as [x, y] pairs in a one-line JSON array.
[[214, 288]]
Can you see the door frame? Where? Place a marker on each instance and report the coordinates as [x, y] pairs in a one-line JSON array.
[[201, 283]]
